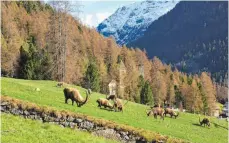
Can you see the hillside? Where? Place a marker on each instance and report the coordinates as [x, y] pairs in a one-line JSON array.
[[184, 127], [129, 23], [192, 36], [29, 52], [18, 129]]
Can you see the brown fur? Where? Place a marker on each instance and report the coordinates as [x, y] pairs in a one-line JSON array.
[[74, 95], [156, 111], [104, 102], [205, 121], [118, 106], [171, 113], [60, 84], [111, 97]]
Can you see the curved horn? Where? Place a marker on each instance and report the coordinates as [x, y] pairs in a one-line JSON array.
[[85, 101], [178, 114], [126, 102], [199, 120]]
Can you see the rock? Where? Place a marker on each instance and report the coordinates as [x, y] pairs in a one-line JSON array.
[[123, 133], [15, 111], [31, 117], [72, 125], [78, 120], [33, 113], [37, 89], [87, 125], [20, 112], [70, 119], [108, 133], [56, 119], [4, 103], [26, 113], [61, 126], [126, 137], [65, 124]]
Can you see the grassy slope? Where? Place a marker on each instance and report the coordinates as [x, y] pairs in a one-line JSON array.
[[185, 127], [18, 129]]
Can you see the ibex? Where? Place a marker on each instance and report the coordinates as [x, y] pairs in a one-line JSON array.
[[205, 121], [171, 113], [104, 102], [156, 111], [118, 106], [74, 95], [60, 84]]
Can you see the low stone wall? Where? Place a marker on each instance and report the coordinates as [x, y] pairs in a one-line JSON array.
[[78, 123], [98, 127]]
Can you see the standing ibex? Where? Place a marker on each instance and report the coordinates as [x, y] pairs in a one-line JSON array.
[[171, 113], [74, 95], [205, 121]]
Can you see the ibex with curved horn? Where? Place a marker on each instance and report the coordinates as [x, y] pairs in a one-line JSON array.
[[74, 95]]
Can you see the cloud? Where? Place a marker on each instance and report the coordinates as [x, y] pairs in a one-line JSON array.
[[102, 16], [92, 20], [88, 19]]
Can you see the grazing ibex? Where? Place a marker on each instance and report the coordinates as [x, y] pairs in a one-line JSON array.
[[156, 111], [60, 84], [171, 112], [74, 95], [104, 102], [205, 121], [118, 106]]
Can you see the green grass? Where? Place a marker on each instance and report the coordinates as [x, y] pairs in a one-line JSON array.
[[186, 126], [17, 129]]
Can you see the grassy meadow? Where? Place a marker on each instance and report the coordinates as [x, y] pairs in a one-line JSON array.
[[21, 130], [186, 126]]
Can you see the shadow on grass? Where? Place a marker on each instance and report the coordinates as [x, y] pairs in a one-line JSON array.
[[219, 126], [215, 124], [200, 125], [107, 109], [197, 124]]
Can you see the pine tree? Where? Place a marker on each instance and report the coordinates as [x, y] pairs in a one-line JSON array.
[[140, 97], [146, 94], [92, 77], [34, 63]]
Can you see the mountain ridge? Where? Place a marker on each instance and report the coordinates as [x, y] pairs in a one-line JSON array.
[[192, 36], [129, 22]]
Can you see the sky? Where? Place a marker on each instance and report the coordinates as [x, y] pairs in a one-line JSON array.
[[95, 11]]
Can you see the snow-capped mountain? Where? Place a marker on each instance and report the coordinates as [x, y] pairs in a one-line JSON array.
[[129, 22]]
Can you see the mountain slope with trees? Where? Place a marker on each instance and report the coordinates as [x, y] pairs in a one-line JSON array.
[[192, 36], [92, 61]]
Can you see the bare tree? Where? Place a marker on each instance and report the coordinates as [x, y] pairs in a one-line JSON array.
[[58, 36]]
